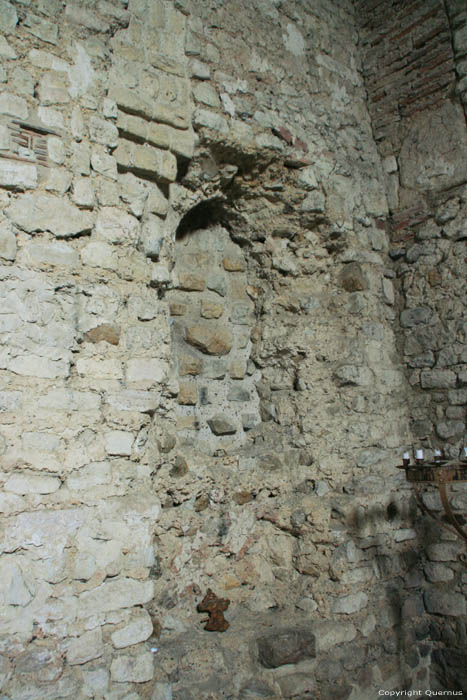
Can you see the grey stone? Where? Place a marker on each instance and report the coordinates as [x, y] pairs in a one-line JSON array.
[[238, 393], [138, 629], [134, 668], [42, 212], [448, 429], [438, 572], [370, 456], [286, 646], [353, 375], [441, 603], [47, 31], [329, 634], [8, 17], [86, 647], [13, 105], [221, 426], [444, 551], [438, 379], [7, 242], [217, 283], [413, 317], [350, 604]]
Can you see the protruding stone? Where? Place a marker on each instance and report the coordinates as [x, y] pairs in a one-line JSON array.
[[190, 282], [211, 340], [286, 646], [210, 309], [352, 278], [188, 394], [221, 426], [15, 175], [42, 212]]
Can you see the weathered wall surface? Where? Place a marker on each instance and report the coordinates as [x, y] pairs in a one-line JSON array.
[[200, 383], [416, 103]]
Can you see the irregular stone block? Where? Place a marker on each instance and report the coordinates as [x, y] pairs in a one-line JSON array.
[[22, 484], [97, 254], [440, 603], [119, 443], [217, 283], [413, 317], [350, 604], [443, 551], [328, 634], [47, 31], [5, 49], [448, 429], [437, 379], [210, 120], [55, 253], [191, 283], [52, 90], [133, 400], [188, 394], [220, 426], [286, 646], [352, 278], [13, 105], [35, 366], [85, 648], [234, 264], [138, 629], [132, 669], [238, 393], [103, 132], [7, 242], [104, 164], [211, 340], [105, 332], [77, 14], [116, 226], [353, 375], [210, 309], [146, 370], [8, 17], [114, 595], [17, 176], [94, 474], [43, 212]]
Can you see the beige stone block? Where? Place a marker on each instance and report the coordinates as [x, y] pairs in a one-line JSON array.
[[116, 226], [177, 309], [86, 647], [119, 443], [188, 423], [130, 125], [210, 309], [115, 595], [232, 264], [99, 368], [103, 131], [212, 340], [7, 242], [124, 153], [104, 164], [145, 370], [188, 365], [35, 366], [133, 669], [188, 394], [157, 203], [56, 253], [159, 135], [17, 176], [52, 90], [97, 254], [131, 101], [190, 282], [182, 143], [13, 105], [138, 629], [91, 475], [237, 369], [161, 165]]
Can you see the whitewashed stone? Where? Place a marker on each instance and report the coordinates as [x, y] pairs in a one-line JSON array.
[[48, 61], [138, 629], [86, 647], [22, 484], [119, 442], [132, 669], [17, 176], [99, 367], [43, 212], [99, 254], [147, 371], [133, 400], [114, 595], [35, 366], [116, 226]]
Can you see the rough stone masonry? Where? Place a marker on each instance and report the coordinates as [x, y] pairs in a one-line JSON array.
[[232, 246]]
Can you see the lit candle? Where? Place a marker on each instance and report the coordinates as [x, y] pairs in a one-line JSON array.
[[406, 459], [419, 457], [437, 455]]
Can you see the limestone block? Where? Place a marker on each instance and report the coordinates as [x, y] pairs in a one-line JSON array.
[[81, 159], [55, 253], [210, 120], [205, 93], [94, 474], [51, 117], [83, 193], [314, 203], [98, 254], [353, 375], [13, 105], [13, 588], [17, 176], [440, 603], [350, 604], [199, 70], [56, 150], [444, 551], [182, 143], [86, 647], [119, 442], [22, 484], [48, 61], [52, 89], [116, 226], [47, 31], [114, 595], [328, 634], [32, 212], [388, 291], [212, 340], [58, 180], [8, 17], [134, 400], [210, 309], [4, 138], [104, 164], [438, 572], [145, 370], [286, 646], [157, 203], [10, 400], [219, 425], [35, 366], [190, 282], [138, 629], [131, 101], [238, 393], [188, 394], [99, 367], [307, 178], [216, 283], [103, 132], [76, 13], [232, 264], [437, 379], [451, 428], [5, 49], [137, 668], [7, 242], [160, 164]]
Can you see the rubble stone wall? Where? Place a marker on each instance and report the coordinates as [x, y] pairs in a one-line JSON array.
[[201, 378], [417, 109]]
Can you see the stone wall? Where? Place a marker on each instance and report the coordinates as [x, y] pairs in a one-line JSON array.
[[201, 385], [416, 105]]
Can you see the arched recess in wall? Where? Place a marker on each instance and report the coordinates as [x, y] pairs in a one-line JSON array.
[[211, 318]]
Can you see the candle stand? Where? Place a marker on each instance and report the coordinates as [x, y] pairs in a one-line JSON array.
[[441, 473]]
